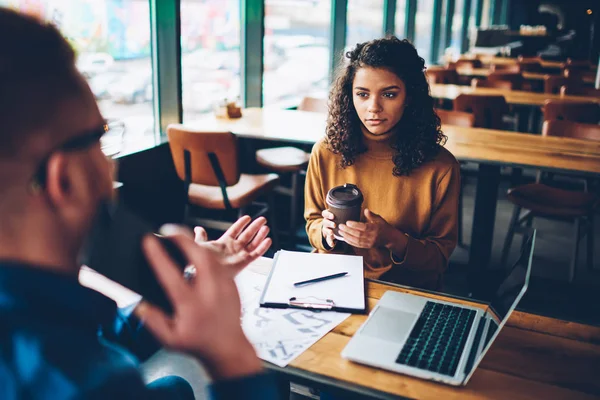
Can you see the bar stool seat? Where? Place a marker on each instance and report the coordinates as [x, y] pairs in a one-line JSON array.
[[283, 159], [546, 200], [292, 161]]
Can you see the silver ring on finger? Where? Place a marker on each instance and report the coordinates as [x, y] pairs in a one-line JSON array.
[[189, 272]]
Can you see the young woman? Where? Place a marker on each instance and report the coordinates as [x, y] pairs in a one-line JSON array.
[[384, 136]]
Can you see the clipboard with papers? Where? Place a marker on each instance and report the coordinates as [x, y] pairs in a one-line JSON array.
[[343, 294]]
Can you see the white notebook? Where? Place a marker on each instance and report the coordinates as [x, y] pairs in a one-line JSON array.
[[344, 294]]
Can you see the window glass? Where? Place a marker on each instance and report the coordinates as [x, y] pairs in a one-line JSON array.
[[365, 21], [457, 24], [113, 46], [210, 54], [400, 18], [423, 28], [485, 15], [296, 51], [452, 49]]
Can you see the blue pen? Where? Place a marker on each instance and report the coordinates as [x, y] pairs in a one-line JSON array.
[[323, 278]]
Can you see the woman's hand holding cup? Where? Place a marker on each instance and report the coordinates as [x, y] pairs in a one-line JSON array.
[[327, 228]]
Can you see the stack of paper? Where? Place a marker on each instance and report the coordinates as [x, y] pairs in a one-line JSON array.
[[280, 335]]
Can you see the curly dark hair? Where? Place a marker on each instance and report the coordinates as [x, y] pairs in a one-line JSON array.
[[420, 135]]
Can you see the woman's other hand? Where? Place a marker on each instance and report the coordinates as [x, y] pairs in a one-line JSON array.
[[375, 232]]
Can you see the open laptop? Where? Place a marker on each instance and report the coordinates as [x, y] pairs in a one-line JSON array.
[[434, 339]]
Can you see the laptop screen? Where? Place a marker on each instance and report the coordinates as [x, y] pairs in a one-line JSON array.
[[507, 294]]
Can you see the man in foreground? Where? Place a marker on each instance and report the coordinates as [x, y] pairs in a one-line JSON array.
[[53, 177]]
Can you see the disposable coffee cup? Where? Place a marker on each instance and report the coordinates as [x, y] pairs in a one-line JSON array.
[[344, 202]]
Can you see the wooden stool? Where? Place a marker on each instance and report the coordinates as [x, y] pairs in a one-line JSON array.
[[545, 201], [290, 160], [541, 200]]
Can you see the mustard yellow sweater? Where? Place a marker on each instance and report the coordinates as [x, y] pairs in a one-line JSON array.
[[423, 205]]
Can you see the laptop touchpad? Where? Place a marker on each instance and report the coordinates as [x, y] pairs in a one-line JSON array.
[[389, 324]]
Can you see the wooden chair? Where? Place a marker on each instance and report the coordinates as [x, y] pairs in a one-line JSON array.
[[579, 74], [207, 163], [466, 63], [439, 75], [579, 90], [530, 66], [552, 83], [457, 118], [585, 112], [487, 110], [315, 104], [467, 120], [291, 161], [515, 78], [505, 67], [541, 200], [579, 66], [497, 84], [571, 62]]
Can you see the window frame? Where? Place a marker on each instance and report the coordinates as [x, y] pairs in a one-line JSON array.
[[165, 34], [166, 46]]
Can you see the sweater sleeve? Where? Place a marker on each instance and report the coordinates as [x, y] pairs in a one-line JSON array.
[[314, 202], [431, 251]]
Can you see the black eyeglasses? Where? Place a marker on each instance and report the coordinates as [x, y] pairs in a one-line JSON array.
[[79, 142]]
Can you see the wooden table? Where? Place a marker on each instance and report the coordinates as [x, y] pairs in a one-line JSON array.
[[535, 76], [475, 72], [509, 61], [517, 97], [491, 149], [534, 357], [303, 127]]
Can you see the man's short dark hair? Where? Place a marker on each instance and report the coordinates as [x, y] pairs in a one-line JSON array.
[[37, 70]]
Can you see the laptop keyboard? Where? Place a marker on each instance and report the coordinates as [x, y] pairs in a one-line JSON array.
[[437, 340]]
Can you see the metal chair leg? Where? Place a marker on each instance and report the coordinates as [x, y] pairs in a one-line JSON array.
[[514, 221], [575, 251], [293, 209], [273, 221], [241, 212], [186, 214], [590, 242], [460, 217]]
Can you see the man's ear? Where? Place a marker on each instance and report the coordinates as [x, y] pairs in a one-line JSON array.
[[58, 182]]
